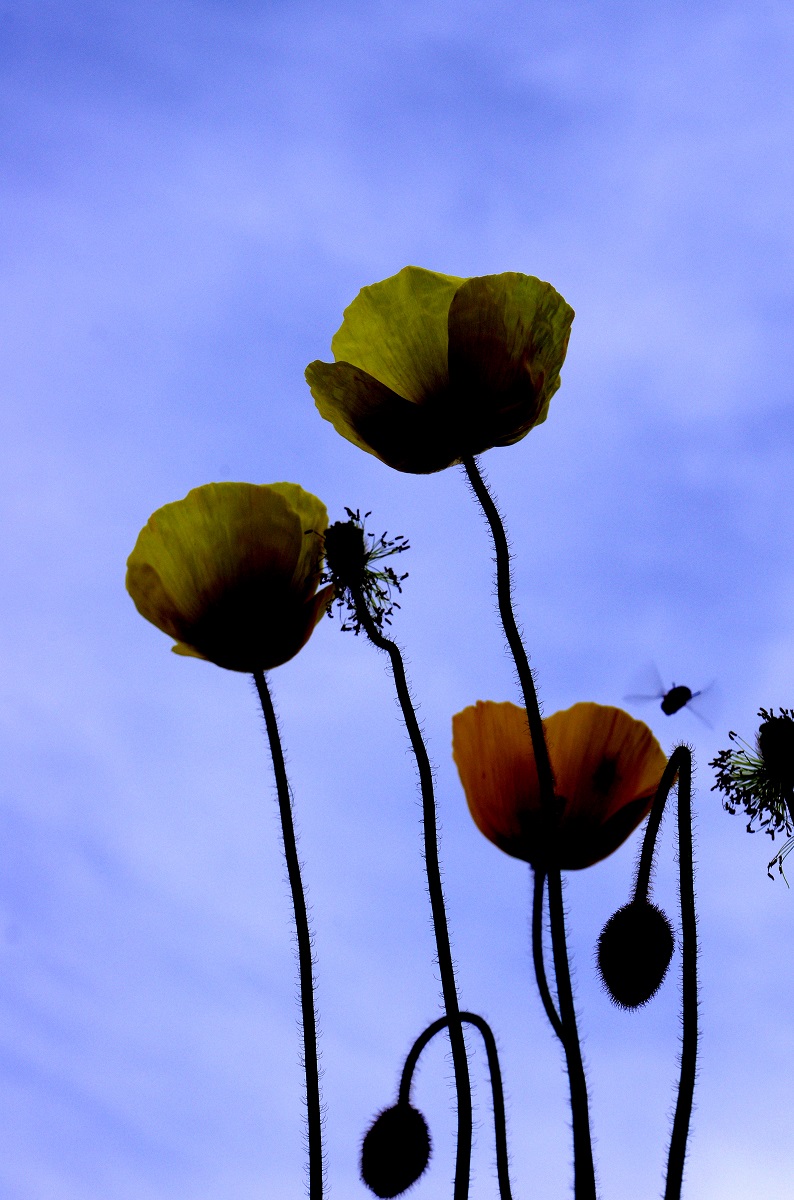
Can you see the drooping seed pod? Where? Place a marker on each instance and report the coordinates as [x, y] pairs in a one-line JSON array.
[[634, 952], [395, 1151]]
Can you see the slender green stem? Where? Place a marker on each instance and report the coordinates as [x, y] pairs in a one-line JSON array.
[[537, 954], [682, 757], [305, 957], [504, 589], [434, 887], [584, 1170], [497, 1089]]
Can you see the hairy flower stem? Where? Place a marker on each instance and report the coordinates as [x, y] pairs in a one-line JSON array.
[[504, 597], [305, 958], [679, 766], [497, 1090], [432, 867], [682, 757], [645, 867], [537, 954], [584, 1171]]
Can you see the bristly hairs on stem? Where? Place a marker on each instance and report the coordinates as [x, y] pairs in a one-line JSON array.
[[497, 1087], [350, 555], [690, 999], [303, 937], [366, 594], [584, 1169]]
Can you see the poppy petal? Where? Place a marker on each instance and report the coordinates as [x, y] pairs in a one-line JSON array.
[[508, 335], [492, 749], [602, 758], [396, 331], [405, 436], [186, 651], [151, 598], [199, 546], [606, 765], [313, 517]]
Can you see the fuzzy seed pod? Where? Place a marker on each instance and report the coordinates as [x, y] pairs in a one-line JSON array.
[[634, 952], [396, 1150]]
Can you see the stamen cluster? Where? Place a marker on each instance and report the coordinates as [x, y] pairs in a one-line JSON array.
[[760, 780], [350, 553]]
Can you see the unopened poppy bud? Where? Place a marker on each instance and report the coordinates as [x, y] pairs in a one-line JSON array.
[[634, 952], [396, 1150]]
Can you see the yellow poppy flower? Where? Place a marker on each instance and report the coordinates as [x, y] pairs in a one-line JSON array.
[[432, 368], [607, 767], [231, 572]]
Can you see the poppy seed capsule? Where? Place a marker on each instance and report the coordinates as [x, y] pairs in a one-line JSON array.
[[346, 552], [634, 952], [396, 1150], [776, 747]]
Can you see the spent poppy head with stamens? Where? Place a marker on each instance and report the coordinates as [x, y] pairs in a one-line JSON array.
[[759, 781], [362, 585], [432, 368], [606, 766], [231, 572]]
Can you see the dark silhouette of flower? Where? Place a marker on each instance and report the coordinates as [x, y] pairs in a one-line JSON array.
[[431, 368], [354, 566], [760, 781], [231, 573], [606, 765]]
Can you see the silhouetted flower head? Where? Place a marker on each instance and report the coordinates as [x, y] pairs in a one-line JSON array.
[[634, 952], [431, 368], [231, 572], [606, 765], [396, 1151], [355, 570], [760, 781]]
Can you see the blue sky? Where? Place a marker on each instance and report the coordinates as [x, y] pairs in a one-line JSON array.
[[192, 192]]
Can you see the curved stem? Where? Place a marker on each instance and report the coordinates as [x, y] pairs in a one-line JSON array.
[[689, 990], [678, 765], [504, 589], [537, 954], [497, 1089], [584, 1170], [645, 867], [433, 870], [305, 957]]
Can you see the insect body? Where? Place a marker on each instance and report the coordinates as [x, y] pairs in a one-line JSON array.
[[672, 699], [676, 698]]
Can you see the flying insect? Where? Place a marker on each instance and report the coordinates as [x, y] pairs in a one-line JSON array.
[[672, 699], [676, 698]]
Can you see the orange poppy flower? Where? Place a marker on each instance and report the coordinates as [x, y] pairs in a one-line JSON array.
[[606, 765]]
